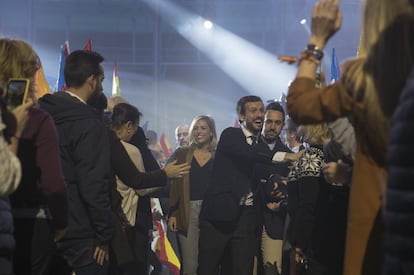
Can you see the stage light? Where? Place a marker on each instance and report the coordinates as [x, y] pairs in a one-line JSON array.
[[303, 21], [207, 24]]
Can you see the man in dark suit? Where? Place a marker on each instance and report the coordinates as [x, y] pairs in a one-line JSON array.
[[228, 216], [272, 195]]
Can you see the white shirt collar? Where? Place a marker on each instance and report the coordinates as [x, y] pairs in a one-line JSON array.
[[250, 138], [72, 94]]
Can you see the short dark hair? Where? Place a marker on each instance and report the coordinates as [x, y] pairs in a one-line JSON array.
[[275, 106], [241, 104], [80, 65], [124, 112]]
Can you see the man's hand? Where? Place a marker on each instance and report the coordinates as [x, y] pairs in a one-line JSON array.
[[278, 188], [172, 224], [101, 254], [59, 234], [293, 156], [335, 172], [274, 206]]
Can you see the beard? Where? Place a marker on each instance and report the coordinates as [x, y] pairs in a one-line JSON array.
[[95, 96], [270, 137]]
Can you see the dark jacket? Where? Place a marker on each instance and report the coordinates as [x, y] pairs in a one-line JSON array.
[[232, 176], [139, 140], [273, 221], [7, 241], [42, 183], [84, 149], [314, 225], [399, 211], [126, 170]]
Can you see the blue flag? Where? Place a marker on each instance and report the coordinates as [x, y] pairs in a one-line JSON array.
[[60, 82], [145, 126], [335, 72]]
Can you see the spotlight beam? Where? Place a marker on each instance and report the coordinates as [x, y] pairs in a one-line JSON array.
[[256, 70]]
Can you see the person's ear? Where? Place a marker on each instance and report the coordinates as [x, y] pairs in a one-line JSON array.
[[241, 118], [91, 82]]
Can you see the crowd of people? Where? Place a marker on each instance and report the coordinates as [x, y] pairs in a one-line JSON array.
[[330, 197]]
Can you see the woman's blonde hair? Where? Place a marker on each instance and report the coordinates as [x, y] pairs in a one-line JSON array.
[[371, 124], [377, 15], [373, 133], [17, 60], [315, 133], [211, 124]]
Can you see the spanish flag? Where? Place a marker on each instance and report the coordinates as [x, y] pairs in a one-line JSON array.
[[40, 82], [165, 252], [165, 145]]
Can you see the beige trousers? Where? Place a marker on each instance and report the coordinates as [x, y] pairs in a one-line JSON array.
[[272, 250]]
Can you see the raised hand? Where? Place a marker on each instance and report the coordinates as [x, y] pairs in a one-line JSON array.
[[326, 21]]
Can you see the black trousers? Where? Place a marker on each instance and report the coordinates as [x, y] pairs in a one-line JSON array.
[[228, 247], [35, 247]]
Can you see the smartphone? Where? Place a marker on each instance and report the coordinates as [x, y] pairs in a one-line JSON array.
[[17, 90]]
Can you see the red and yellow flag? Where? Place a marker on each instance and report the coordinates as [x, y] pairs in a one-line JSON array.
[[165, 145], [165, 252], [40, 82]]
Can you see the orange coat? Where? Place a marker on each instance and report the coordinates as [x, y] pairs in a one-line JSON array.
[[180, 192]]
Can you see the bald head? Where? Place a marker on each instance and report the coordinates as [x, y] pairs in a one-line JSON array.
[[182, 135]]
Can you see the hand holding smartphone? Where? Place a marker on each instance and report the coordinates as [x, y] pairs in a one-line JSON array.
[[276, 188], [16, 93]]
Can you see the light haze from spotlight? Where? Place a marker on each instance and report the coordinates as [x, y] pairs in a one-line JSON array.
[[256, 70]]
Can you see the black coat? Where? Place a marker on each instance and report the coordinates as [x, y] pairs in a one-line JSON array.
[[85, 158], [273, 221], [399, 211], [232, 176], [7, 242]]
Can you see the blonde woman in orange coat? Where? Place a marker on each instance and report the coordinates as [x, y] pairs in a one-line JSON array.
[[355, 96]]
